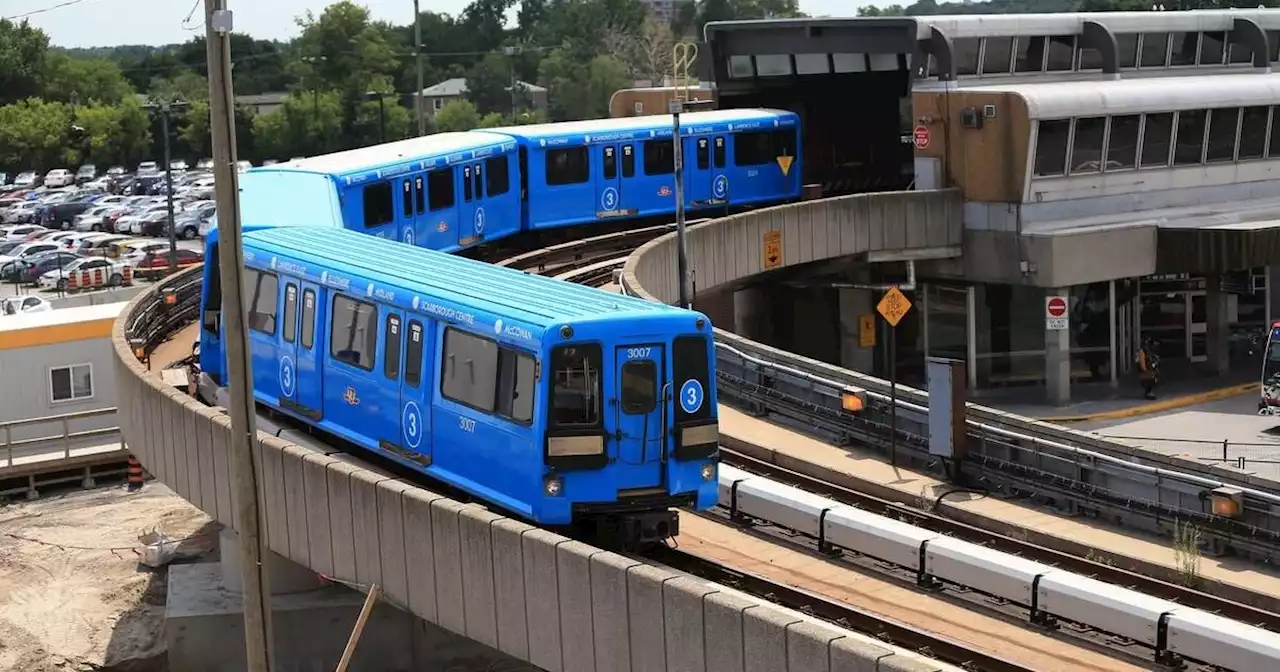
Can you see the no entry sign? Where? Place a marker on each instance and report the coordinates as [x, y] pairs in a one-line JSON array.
[[922, 137], [1055, 313]]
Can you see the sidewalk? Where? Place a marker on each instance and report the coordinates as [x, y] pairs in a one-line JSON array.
[[1180, 387]]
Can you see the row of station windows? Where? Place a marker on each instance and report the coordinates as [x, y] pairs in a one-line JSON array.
[[1063, 53], [1155, 140]]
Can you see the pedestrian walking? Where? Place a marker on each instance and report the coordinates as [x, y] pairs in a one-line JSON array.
[[1148, 368]]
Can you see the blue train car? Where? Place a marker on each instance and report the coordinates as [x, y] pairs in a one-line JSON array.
[[447, 191], [556, 402], [585, 171]]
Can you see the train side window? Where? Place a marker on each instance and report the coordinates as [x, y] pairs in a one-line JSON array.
[[1190, 139], [440, 189], [576, 386], [570, 165], [406, 198], [610, 162], [420, 194], [308, 319], [497, 176], [391, 349], [758, 148], [524, 173], [476, 182], [1051, 147], [704, 154], [719, 151], [1157, 134], [353, 332], [413, 355], [466, 184], [639, 386], [659, 157], [516, 381], [378, 206], [262, 291], [290, 330], [470, 367], [628, 161]]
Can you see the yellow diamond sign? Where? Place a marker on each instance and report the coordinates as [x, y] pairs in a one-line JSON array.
[[893, 306], [784, 162]]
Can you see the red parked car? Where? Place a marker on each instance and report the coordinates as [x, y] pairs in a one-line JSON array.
[[158, 261]]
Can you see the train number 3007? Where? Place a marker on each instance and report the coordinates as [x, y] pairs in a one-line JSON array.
[[639, 353]]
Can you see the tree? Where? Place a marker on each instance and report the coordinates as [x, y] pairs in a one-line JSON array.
[[646, 53], [458, 115], [306, 124], [493, 120], [33, 133], [489, 84], [113, 134], [577, 91], [485, 23], [187, 85], [72, 80], [196, 134], [370, 119], [22, 54]]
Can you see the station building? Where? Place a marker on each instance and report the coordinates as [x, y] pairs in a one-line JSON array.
[[1128, 163]]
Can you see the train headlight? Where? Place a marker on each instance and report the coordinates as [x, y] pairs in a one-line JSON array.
[[552, 486], [708, 472]]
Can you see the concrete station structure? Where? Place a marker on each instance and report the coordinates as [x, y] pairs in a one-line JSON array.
[[1121, 161]]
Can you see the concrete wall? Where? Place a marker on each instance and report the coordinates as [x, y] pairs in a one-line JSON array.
[[537, 596]]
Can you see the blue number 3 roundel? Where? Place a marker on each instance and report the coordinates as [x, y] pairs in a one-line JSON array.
[[412, 425], [691, 396]]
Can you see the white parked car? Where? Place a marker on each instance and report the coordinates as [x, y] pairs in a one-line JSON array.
[[19, 232], [59, 177], [147, 167], [15, 305], [113, 271]]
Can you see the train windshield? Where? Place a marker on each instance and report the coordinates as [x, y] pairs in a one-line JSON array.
[[1271, 370], [576, 391]]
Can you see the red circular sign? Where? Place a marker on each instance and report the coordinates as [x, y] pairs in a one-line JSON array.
[[922, 137], [1057, 306]]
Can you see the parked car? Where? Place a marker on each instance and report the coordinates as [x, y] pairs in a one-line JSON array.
[[87, 173], [10, 266], [15, 305], [27, 179], [157, 261], [59, 177], [44, 263], [147, 167], [19, 232], [63, 215], [113, 274]]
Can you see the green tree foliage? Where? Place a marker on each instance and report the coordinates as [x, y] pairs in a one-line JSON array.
[[489, 84], [458, 115], [581, 91], [22, 53], [113, 134], [68, 80], [307, 124]]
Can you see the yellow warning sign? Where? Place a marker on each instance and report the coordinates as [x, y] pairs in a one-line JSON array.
[[784, 162], [893, 306], [867, 330], [772, 249]]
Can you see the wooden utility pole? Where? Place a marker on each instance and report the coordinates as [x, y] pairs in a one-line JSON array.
[[244, 468]]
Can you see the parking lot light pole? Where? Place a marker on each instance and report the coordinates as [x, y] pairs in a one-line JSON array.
[[166, 109], [382, 114]]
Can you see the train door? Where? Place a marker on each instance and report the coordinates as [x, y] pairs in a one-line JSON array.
[[439, 217], [407, 223], [415, 391], [639, 416], [307, 376], [471, 214], [697, 171], [609, 182]]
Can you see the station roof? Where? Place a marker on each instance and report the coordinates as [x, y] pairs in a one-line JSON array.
[[1062, 100]]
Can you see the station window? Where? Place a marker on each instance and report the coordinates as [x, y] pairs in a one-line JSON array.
[[762, 147], [353, 332], [1213, 50], [406, 198], [659, 157], [1062, 51], [1122, 145], [998, 54], [1155, 50], [420, 194], [308, 319], [1183, 48], [1273, 45], [1086, 150], [413, 355], [1190, 139], [1273, 144], [965, 50], [290, 330], [1157, 136], [391, 348], [1253, 132], [1239, 53], [1127, 44], [1222, 135], [1051, 147], [70, 383], [704, 154], [610, 162], [1030, 55], [497, 176], [639, 386], [628, 161], [440, 189], [1088, 58], [261, 294], [378, 206], [570, 165], [576, 386], [479, 373]]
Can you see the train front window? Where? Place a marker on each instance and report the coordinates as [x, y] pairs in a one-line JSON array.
[[576, 386], [1271, 367], [639, 387]]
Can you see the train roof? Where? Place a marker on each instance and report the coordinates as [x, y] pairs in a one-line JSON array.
[[1061, 100], [718, 120], [399, 156], [420, 278]]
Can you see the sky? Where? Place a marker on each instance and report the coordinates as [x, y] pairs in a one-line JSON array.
[[89, 23]]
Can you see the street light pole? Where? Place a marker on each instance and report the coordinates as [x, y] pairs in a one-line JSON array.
[[683, 56], [166, 109], [382, 114], [418, 108]]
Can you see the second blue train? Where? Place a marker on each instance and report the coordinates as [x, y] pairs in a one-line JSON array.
[[453, 191]]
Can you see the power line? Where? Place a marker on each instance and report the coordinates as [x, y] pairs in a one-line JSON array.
[[50, 8], [282, 56]]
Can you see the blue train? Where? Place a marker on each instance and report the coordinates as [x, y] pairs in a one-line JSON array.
[[558, 403], [452, 191]]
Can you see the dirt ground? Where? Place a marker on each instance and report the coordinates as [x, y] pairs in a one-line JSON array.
[[73, 592]]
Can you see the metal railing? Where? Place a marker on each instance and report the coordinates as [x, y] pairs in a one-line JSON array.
[[161, 314], [69, 439]]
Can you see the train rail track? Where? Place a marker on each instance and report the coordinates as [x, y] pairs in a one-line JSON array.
[[583, 260], [941, 524]]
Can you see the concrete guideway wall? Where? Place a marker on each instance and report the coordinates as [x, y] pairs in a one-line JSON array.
[[537, 596]]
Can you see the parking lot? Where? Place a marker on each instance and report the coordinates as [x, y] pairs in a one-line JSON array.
[[10, 289]]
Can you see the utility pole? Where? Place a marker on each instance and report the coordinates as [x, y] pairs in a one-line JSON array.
[[258, 640], [166, 109], [418, 108], [683, 56]]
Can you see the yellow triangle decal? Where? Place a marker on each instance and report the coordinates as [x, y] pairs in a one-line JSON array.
[[784, 162]]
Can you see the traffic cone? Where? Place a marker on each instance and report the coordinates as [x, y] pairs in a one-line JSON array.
[[135, 474]]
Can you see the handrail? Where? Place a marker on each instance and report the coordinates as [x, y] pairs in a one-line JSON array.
[[52, 418], [67, 436]]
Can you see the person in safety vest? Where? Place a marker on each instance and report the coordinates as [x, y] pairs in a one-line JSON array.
[[1148, 368]]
